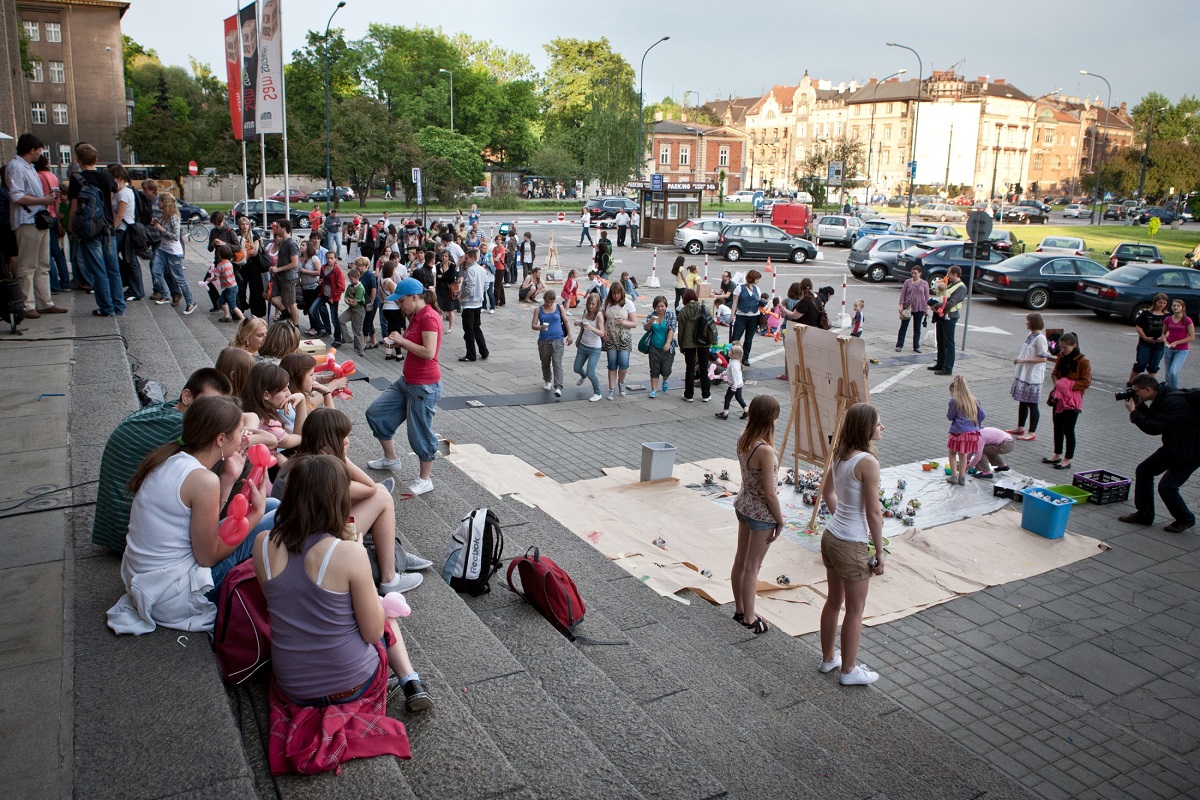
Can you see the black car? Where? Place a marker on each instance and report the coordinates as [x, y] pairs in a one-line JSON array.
[[936, 258], [604, 209], [1037, 280], [1025, 215], [873, 257], [1114, 211], [275, 212], [759, 241], [1006, 242], [339, 193], [1129, 290], [191, 213], [1128, 252], [1164, 216]]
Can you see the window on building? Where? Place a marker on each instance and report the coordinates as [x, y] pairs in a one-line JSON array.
[[664, 154], [1072, 141], [37, 113], [723, 157], [36, 74], [885, 155], [32, 32], [1049, 137], [854, 133], [58, 72], [802, 130], [889, 107], [685, 155], [799, 152], [857, 110], [837, 128], [1058, 162], [1037, 161], [887, 133], [65, 155], [59, 110], [53, 32]]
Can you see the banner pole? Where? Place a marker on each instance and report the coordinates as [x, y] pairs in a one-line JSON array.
[[287, 193]]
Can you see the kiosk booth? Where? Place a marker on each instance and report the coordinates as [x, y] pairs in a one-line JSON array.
[[665, 206]]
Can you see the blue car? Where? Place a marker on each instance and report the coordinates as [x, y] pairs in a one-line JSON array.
[[879, 227]]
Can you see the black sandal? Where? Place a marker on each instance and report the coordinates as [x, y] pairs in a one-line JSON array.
[[739, 617], [759, 625]]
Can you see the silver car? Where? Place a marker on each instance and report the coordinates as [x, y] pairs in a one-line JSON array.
[[698, 236], [837, 228]]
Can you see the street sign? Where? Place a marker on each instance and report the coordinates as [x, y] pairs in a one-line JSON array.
[[192, 168], [561, 216], [835, 173], [979, 225], [720, 215], [1108, 197], [912, 169], [416, 175], [656, 183]]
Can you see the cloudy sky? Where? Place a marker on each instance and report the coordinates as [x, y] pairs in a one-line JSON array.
[[717, 50]]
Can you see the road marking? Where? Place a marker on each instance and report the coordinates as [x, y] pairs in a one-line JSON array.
[[892, 381], [767, 354], [988, 330], [1054, 313]]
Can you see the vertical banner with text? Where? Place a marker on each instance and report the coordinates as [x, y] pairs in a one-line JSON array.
[[233, 74], [270, 70], [249, 32]]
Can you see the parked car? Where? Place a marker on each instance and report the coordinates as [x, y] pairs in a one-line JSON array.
[[1038, 204], [942, 212], [744, 196], [698, 236], [760, 241], [878, 227], [339, 193], [1037, 280], [1063, 245], [1025, 215], [275, 212], [897, 201], [1129, 290], [935, 258], [763, 209], [963, 200], [1129, 207], [929, 231], [604, 209], [191, 213], [1128, 252], [793, 218], [873, 257], [1164, 216], [478, 192], [866, 213], [1113, 211], [1006, 242], [838, 228], [297, 196], [1074, 211]]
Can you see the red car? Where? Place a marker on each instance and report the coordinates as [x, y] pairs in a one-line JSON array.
[[963, 200], [297, 196]]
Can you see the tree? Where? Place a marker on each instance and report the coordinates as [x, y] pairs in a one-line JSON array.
[[466, 166], [504, 66], [365, 144], [577, 68], [131, 50], [610, 135], [553, 159]]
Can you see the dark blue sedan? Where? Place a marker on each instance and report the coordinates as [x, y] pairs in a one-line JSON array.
[[1129, 290]]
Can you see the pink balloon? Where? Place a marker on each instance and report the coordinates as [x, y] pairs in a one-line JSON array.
[[233, 530], [394, 605], [239, 506]]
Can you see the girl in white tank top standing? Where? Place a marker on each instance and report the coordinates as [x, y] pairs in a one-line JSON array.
[[851, 492], [760, 519]]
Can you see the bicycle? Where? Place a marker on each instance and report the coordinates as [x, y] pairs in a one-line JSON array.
[[197, 231]]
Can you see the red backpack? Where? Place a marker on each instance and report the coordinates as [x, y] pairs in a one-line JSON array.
[[549, 589], [242, 632]]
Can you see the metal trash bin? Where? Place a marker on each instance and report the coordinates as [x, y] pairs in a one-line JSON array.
[[658, 458]]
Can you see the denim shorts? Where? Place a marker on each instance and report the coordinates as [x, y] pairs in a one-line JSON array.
[[415, 404], [754, 524], [229, 297], [618, 359], [1149, 354]]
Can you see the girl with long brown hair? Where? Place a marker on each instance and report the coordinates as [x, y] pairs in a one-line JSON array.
[[760, 517]]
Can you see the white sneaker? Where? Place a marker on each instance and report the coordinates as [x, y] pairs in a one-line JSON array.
[[610, 394], [859, 676], [162, 302], [547, 386], [414, 563], [829, 666], [558, 392], [621, 388], [385, 463], [420, 486], [594, 398], [491, 311], [582, 378], [403, 582]]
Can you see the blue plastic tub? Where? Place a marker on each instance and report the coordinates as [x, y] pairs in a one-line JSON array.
[[1044, 517]]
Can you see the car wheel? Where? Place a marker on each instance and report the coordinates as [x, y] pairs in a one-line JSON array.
[[1137, 312], [694, 248], [304, 223], [1037, 299], [1028, 221], [877, 273], [943, 219], [799, 256], [1101, 314], [733, 254]]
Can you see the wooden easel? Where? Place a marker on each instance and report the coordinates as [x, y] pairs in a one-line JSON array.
[[553, 268], [806, 404]]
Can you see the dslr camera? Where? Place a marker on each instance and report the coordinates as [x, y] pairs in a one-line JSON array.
[[1124, 394]]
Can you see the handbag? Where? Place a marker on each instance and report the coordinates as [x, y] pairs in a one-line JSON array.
[[644, 344], [43, 220], [906, 313]]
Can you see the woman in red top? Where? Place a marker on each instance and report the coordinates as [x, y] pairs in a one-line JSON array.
[[413, 398]]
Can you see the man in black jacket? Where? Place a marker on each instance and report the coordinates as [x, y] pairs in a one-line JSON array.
[[1160, 410]]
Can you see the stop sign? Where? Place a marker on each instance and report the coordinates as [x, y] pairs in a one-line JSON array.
[[192, 168], [561, 216]]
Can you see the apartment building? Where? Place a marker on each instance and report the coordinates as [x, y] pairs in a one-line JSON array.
[[685, 152]]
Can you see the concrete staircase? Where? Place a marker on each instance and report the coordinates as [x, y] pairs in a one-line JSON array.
[[690, 705]]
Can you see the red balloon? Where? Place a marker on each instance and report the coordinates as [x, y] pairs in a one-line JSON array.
[[233, 530]]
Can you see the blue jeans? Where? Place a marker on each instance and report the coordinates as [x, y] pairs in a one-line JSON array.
[[744, 327], [158, 278], [1174, 359], [489, 297], [586, 359], [60, 277], [618, 359], [1149, 354], [229, 299], [244, 550], [585, 232], [78, 268], [100, 260], [176, 282], [416, 405], [319, 314]]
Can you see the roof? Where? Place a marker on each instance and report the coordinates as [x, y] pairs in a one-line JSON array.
[[736, 106], [675, 127], [892, 91]]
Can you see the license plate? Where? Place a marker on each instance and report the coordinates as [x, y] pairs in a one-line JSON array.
[[987, 277], [1091, 290]]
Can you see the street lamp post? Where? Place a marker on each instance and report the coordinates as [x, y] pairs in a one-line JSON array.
[[912, 151], [112, 71], [871, 138], [1107, 106], [328, 170], [996, 161], [1146, 153], [641, 85], [1028, 111], [451, 74]]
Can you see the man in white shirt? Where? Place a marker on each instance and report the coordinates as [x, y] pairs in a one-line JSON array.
[[471, 301], [622, 221], [33, 245], [452, 247]]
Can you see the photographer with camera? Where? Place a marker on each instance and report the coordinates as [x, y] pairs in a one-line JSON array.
[[951, 294], [1159, 410]]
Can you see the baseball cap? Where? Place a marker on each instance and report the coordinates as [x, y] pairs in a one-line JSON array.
[[407, 288]]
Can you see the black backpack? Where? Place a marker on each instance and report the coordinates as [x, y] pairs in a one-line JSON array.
[[706, 329], [142, 210], [89, 223], [476, 546]]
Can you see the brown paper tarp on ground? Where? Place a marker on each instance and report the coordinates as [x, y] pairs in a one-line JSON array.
[[622, 518]]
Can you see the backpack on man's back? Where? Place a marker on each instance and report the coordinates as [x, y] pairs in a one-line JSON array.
[[89, 222]]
